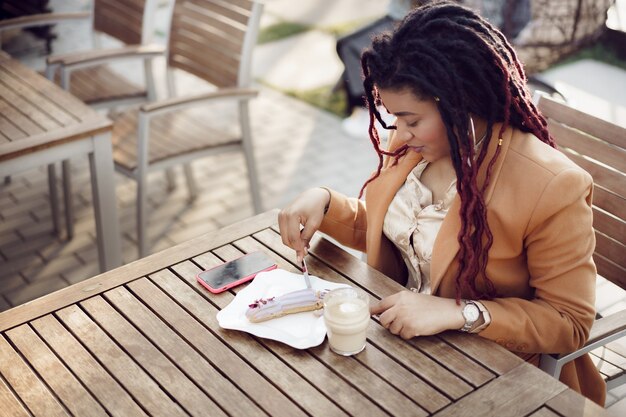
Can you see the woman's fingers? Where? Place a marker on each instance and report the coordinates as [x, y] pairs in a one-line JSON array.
[[395, 327], [301, 219], [289, 227], [386, 319], [383, 305]]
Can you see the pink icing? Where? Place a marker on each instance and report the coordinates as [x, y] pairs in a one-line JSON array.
[[268, 307]]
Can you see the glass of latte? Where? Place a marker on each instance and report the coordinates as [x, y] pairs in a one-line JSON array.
[[346, 315]]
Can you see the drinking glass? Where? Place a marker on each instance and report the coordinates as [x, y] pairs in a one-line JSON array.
[[346, 315]]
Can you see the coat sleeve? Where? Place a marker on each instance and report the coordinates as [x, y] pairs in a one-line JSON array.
[[559, 244], [346, 221]]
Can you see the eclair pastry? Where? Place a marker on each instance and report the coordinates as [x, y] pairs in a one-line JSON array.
[[289, 303]]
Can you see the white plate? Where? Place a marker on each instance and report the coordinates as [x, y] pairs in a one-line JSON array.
[[300, 330]]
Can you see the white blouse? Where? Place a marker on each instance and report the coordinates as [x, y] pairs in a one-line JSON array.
[[412, 223]]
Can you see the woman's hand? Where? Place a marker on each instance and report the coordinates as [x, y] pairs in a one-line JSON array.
[[410, 314], [306, 210]]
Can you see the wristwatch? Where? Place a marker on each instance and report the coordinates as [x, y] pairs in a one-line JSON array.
[[471, 313]]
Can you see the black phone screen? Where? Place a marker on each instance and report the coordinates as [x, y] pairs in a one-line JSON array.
[[238, 269]]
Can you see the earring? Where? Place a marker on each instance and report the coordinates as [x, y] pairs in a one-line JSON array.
[[478, 142], [473, 131]]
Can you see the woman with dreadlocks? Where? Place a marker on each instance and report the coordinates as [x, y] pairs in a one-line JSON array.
[[471, 207]]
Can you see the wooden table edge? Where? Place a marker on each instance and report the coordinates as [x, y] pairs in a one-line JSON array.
[[89, 127]]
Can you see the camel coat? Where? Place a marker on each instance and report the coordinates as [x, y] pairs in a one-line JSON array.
[[539, 212]]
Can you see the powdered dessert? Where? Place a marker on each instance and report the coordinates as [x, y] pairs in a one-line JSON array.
[[292, 302]]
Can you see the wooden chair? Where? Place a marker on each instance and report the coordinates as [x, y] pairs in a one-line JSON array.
[[88, 74], [213, 40], [599, 147], [129, 21]]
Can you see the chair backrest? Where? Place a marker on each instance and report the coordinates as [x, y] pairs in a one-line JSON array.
[[213, 39], [130, 21], [599, 147]]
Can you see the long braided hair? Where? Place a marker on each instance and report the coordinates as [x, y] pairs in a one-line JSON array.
[[446, 52]]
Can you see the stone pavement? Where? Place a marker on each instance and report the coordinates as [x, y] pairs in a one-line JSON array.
[[296, 145]]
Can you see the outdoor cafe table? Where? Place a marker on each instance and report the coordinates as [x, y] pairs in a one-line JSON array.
[[41, 124], [143, 339]]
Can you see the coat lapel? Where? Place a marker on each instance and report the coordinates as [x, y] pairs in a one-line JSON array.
[[446, 244]]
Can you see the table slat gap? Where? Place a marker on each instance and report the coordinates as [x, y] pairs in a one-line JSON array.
[[424, 394], [188, 358], [309, 395], [465, 367], [518, 392], [230, 362], [30, 110], [11, 402], [385, 395], [471, 374], [154, 362], [314, 265], [9, 130], [86, 367], [118, 363], [544, 412], [18, 119], [491, 355], [340, 261], [418, 363], [69, 102], [421, 365], [571, 403], [60, 380], [272, 240], [148, 355], [230, 252], [187, 272], [433, 400], [28, 386], [46, 105]]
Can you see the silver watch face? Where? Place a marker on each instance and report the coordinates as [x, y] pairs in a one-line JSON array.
[[471, 312]]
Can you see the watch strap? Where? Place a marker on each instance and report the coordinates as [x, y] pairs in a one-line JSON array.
[[486, 318]]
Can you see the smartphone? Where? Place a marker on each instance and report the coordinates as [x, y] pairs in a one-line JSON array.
[[235, 272]]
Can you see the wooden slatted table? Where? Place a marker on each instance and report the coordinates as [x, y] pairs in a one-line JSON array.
[[143, 339], [41, 124]]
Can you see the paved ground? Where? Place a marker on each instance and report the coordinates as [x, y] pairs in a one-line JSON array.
[[297, 146]]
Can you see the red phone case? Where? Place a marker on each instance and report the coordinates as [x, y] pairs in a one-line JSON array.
[[234, 283]]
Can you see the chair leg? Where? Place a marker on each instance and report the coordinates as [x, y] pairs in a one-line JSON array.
[[141, 217], [143, 127], [67, 194], [249, 153], [254, 186], [192, 186], [170, 177], [54, 198], [550, 365]]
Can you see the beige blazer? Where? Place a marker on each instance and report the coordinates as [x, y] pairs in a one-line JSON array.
[[539, 212]]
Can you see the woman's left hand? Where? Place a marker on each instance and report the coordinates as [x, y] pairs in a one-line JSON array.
[[409, 314]]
